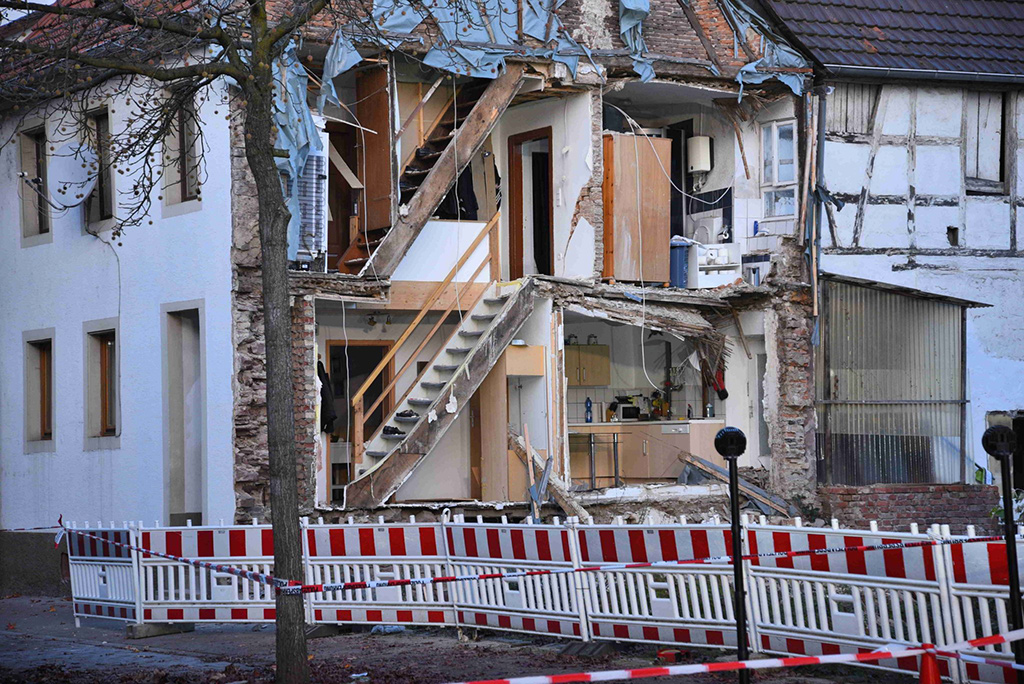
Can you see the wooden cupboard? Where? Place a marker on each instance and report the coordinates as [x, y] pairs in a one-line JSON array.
[[637, 230], [588, 365]]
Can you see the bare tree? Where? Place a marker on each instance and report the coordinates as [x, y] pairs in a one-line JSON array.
[[160, 56]]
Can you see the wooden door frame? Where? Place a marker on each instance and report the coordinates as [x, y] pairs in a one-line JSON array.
[[515, 185], [389, 401]]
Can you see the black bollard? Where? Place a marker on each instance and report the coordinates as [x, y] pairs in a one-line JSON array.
[[730, 442], [1000, 441]]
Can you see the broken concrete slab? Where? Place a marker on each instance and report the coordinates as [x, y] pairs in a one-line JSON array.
[[155, 629]]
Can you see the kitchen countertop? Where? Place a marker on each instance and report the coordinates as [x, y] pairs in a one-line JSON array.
[[652, 422]]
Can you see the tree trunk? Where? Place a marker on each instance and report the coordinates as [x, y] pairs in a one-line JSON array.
[[292, 664]]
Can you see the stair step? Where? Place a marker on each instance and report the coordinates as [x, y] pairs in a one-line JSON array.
[[376, 454], [470, 333], [416, 172], [433, 385], [445, 367], [433, 140], [483, 317], [375, 243], [458, 351], [393, 438], [407, 419], [420, 401], [359, 261], [425, 155], [493, 301]]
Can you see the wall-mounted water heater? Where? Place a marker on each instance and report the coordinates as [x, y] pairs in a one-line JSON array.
[[698, 154]]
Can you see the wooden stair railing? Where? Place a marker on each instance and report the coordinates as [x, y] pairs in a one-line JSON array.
[[359, 411]]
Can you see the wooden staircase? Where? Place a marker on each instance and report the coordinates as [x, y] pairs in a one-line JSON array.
[[422, 415], [430, 171]]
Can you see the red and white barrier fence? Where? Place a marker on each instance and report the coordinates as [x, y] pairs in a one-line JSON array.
[[763, 664], [811, 591]]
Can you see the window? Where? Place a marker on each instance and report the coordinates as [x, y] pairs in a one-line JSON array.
[[182, 158], [35, 217], [102, 383], [778, 169], [39, 386], [984, 166], [101, 202]]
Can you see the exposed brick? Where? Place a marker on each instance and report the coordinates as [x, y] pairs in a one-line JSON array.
[[894, 507]]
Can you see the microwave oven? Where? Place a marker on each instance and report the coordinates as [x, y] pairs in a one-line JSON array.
[[627, 412]]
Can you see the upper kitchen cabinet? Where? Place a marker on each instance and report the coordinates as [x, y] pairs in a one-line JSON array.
[[637, 195], [588, 365]]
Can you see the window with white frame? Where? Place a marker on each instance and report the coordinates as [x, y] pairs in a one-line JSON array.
[[778, 168]]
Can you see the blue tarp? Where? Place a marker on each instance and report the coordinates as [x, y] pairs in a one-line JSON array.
[[631, 17]]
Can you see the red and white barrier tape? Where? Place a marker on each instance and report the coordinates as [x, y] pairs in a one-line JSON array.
[[771, 663], [978, 660], [377, 584], [216, 567]]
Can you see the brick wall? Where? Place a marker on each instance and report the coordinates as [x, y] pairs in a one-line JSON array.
[[306, 397], [895, 506]]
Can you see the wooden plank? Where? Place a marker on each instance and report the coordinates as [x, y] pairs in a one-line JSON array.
[[534, 506], [695, 24], [456, 156], [493, 421], [412, 295], [374, 164], [378, 486], [720, 473], [563, 497]]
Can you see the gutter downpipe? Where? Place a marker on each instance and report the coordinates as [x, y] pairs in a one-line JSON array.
[[928, 74]]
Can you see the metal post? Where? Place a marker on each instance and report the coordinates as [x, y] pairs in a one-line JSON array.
[[615, 457], [1000, 441], [730, 442], [593, 459]]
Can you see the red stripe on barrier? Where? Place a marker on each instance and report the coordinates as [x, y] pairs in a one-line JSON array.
[[529, 624], [928, 557], [493, 543], [236, 543], [207, 613], [637, 546], [543, 545], [699, 542], [855, 562], [173, 542], [469, 538], [396, 537], [997, 564], [680, 634], [428, 542], [267, 542], [404, 616], [818, 562], [667, 541], [343, 616], [505, 621], [367, 544], [374, 616], [145, 544], [830, 649], [584, 551], [608, 551], [782, 542], [175, 614], [564, 535], [239, 613], [893, 559], [269, 613], [554, 627], [651, 634], [435, 616], [959, 566], [311, 541], [752, 547], [796, 646], [714, 637], [518, 545], [337, 540], [204, 543]]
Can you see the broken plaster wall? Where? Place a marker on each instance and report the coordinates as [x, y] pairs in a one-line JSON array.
[[911, 220], [575, 122], [251, 460]]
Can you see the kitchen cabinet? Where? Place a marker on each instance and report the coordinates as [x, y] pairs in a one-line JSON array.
[[525, 360], [588, 365], [637, 215]]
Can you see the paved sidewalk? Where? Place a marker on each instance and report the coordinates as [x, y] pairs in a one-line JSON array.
[[40, 643]]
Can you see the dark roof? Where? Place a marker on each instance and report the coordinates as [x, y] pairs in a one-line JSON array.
[[965, 37], [901, 290]]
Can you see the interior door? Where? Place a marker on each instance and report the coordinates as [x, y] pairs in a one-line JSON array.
[[374, 113]]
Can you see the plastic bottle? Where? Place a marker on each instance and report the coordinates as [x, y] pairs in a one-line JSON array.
[[590, 410]]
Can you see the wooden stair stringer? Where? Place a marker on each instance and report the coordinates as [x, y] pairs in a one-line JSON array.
[[379, 484]]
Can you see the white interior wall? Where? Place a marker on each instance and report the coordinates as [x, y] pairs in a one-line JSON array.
[[437, 249], [444, 474], [76, 278], [572, 152]]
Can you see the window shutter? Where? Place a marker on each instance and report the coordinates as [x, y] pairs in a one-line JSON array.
[[984, 135]]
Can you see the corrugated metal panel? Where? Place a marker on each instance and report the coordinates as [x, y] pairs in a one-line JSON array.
[[889, 387]]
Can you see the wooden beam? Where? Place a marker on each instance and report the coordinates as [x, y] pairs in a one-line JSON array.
[[563, 497], [376, 487], [691, 16], [412, 295], [455, 157]]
